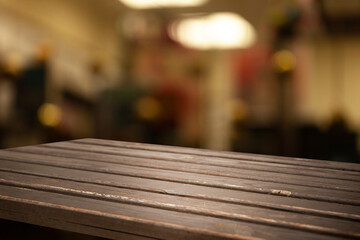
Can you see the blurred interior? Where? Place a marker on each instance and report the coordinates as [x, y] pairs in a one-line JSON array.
[[108, 69]]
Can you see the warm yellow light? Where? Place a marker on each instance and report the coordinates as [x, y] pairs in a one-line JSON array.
[[148, 108], [49, 115], [284, 60], [215, 31], [162, 3]]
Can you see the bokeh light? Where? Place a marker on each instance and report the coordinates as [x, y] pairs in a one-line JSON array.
[[148, 108], [162, 3], [49, 115], [284, 60], [215, 31]]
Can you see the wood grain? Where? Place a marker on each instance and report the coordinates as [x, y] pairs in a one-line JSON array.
[[122, 190]]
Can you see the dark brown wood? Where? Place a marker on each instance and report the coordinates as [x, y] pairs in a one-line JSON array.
[[342, 182], [122, 190], [230, 155]]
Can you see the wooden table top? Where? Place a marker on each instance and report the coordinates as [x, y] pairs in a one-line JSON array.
[[123, 190]]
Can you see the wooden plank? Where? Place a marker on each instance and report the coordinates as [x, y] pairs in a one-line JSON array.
[[122, 190], [104, 156], [182, 204], [326, 195], [143, 220], [194, 191], [322, 164], [71, 226], [106, 215], [212, 161]]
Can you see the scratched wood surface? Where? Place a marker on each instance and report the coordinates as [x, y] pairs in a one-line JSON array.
[[123, 190]]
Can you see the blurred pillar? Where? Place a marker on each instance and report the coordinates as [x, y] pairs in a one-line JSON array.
[[287, 114], [218, 94]]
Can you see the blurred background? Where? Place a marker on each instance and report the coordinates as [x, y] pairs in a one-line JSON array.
[[260, 76]]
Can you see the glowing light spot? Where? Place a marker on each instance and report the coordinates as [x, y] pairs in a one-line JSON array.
[[214, 31], [148, 108], [49, 115], [162, 3], [284, 61]]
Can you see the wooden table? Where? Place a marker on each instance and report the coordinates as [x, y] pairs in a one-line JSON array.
[[123, 190]]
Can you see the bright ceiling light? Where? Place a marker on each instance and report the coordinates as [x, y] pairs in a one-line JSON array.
[[214, 31], [162, 3]]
